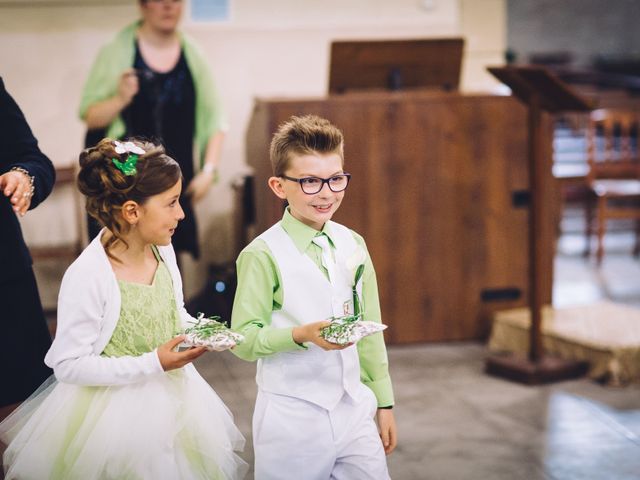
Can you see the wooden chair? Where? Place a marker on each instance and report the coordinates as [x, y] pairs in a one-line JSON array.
[[614, 173], [65, 176]]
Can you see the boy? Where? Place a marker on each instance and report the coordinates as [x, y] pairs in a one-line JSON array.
[[313, 417]]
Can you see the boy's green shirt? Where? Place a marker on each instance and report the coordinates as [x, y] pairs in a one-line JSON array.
[[260, 293]]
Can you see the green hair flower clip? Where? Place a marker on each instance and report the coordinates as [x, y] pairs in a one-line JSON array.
[[128, 167]]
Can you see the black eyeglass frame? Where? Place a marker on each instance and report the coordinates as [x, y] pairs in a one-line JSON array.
[[323, 180]]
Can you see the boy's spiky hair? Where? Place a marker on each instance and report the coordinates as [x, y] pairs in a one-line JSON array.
[[301, 136]]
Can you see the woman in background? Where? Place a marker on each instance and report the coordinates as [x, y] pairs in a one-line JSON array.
[[152, 81]]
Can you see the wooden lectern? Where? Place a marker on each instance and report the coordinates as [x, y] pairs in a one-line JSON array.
[[540, 91], [394, 65]]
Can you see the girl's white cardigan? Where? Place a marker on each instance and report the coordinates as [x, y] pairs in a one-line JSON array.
[[88, 311]]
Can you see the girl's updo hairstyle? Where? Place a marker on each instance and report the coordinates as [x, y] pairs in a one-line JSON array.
[[107, 188]]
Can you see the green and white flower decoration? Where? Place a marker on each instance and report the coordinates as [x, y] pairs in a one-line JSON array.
[[128, 167], [355, 267], [349, 329], [127, 147], [210, 333]]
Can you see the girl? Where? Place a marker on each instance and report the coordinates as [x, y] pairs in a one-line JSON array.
[[124, 404]]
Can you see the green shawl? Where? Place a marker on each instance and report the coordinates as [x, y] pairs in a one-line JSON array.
[[119, 55]]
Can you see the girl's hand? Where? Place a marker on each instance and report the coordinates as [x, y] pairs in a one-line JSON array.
[[17, 186], [388, 430], [171, 360], [312, 332]]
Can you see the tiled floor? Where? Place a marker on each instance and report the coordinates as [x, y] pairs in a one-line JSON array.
[[455, 422]]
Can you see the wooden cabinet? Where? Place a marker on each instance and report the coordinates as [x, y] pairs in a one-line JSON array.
[[437, 179]]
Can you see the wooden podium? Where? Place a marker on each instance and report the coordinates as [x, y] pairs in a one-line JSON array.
[[429, 63], [540, 91], [437, 194]]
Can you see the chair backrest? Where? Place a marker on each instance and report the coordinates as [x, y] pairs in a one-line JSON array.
[[612, 144], [65, 177]]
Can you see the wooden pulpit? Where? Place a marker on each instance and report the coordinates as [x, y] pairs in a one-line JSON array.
[[540, 91], [395, 65]]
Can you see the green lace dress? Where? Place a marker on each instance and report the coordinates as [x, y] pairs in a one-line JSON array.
[[171, 426], [148, 316]]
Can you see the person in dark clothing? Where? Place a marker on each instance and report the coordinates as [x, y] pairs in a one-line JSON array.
[[26, 179], [151, 81]]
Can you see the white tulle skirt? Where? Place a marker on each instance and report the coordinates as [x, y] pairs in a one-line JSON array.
[[172, 426]]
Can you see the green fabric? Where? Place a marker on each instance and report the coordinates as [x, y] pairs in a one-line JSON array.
[[119, 55], [71, 445], [260, 292], [148, 316]]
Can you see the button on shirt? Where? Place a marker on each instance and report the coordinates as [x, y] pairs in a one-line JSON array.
[[260, 292]]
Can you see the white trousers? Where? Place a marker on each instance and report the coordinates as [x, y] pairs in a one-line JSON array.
[[295, 439]]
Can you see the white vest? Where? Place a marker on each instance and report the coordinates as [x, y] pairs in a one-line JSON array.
[[315, 375]]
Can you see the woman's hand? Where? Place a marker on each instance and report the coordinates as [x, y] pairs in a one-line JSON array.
[[171, 360], [312, 332], [17, 186], [388, 429], [102, 113], [199, 185], [128, 86]]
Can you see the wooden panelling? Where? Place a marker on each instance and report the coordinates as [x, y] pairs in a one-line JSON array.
[[433, 181]]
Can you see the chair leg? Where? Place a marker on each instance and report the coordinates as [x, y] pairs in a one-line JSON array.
[[588, 219], [601, 227]]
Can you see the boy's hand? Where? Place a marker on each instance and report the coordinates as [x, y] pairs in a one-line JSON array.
[[171, 360], [312, 332], [388, 430]]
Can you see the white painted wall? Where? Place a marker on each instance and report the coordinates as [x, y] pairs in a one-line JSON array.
[[268, 48]]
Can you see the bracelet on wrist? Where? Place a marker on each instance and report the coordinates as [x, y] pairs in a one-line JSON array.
[[29, 176], [211, 169]]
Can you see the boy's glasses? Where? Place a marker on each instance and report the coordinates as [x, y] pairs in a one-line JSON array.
[[313, 185]]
